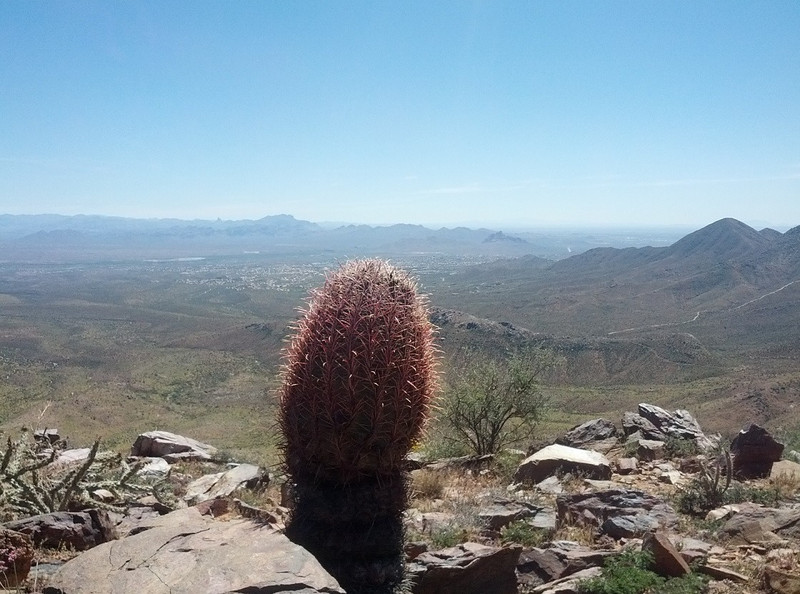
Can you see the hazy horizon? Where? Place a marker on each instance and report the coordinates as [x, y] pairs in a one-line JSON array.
[[531, 115], [510, 227]]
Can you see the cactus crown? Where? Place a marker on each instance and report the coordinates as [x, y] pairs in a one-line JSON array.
[[359, 375]]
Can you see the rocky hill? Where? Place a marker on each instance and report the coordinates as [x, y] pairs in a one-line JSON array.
[[646, 497]]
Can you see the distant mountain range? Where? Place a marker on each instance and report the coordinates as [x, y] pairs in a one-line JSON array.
[[726, 285], [83, 237]]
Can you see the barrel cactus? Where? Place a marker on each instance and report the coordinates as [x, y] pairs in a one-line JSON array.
[[357, 387]]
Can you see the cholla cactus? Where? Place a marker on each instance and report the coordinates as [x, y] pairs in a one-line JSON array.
[[357, 389], [32, 484]]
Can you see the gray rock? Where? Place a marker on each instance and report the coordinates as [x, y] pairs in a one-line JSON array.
[[72, 456], [79, 530], [550, 485], [633, 423], [627, 465], [781, 581], [154, 466], [469, 568], [785, 469], [583, 435], [554, 458], [560, 559], [723, 573], [752, 524], [753, 451], [679, 424], [501, 512], [47, 436], [186, 553], [171, 447], [650, 449], [618, 512]]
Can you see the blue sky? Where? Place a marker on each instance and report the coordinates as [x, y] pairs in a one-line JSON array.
[[500, 113]]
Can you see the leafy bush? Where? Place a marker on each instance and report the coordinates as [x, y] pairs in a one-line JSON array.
[[491, 403], [629, 573]]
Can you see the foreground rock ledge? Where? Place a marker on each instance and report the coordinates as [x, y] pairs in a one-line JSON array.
[[186, 553]]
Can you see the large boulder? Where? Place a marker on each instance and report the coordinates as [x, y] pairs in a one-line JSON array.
[[554, 458], [754, 450], [171, 447], [468, 568], [185, 553], [78, 530]]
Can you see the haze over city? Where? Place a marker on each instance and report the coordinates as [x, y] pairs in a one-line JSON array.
[[482, 113]]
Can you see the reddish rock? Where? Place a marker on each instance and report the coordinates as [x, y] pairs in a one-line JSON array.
[[667, 559]]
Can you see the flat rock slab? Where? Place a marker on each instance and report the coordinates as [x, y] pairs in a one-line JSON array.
[[469, 568], [186, 553], [559, 560], [223, 484], [502, 512], [547, 461], [171, 447]]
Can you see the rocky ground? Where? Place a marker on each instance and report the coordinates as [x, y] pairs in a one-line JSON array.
[[540, 522]]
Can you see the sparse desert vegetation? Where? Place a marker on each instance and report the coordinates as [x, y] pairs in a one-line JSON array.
[[111, 349]]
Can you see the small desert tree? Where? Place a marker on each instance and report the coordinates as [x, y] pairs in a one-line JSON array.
[[491, 403]]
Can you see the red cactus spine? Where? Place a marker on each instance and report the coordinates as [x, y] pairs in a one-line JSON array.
[[358, 384]]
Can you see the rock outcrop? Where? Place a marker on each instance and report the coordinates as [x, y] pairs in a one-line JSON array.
[[185, 553], [171, 447], [560, 458]]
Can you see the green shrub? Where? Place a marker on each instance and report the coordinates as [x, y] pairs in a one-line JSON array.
[[630, 573], [493, 403], [626, 573]]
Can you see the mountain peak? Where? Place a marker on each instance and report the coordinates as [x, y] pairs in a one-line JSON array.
[[723, 239]]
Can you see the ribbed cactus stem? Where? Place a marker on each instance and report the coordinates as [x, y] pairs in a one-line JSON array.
[[357, 388]]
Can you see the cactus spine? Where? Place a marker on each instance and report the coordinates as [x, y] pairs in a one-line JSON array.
[[357, 387]]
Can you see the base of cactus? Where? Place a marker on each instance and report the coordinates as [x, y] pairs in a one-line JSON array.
[[354, 530]]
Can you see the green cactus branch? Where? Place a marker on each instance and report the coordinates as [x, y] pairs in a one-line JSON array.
[[33, 482]]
